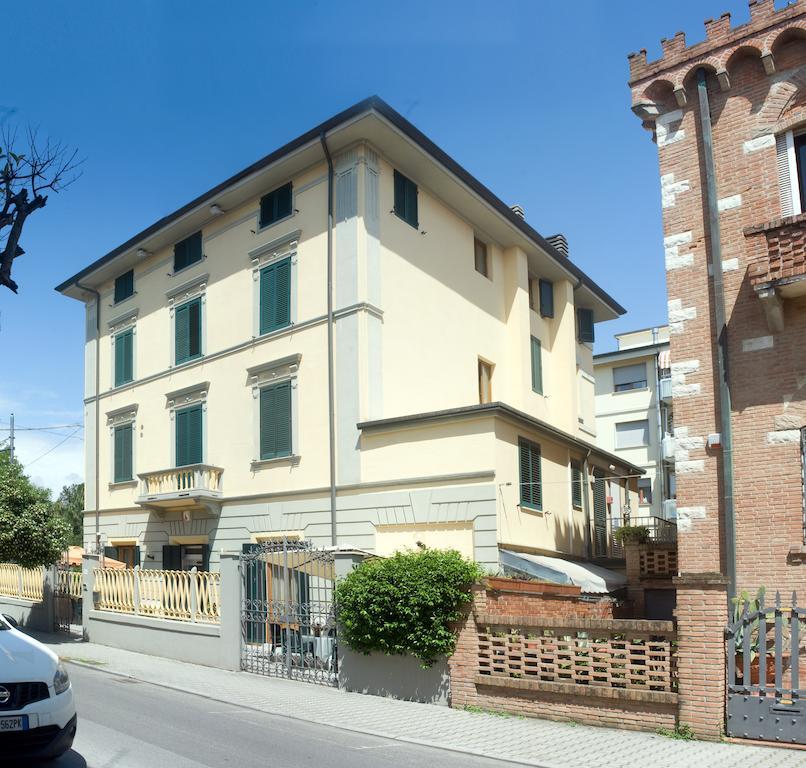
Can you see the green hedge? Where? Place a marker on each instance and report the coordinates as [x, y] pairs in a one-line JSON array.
[[404, 604]]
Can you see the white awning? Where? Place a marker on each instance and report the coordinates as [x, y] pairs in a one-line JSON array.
[[664, 360], [591, 579]]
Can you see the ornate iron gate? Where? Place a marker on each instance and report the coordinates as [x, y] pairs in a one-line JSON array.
[[765, 700], [288, 625]]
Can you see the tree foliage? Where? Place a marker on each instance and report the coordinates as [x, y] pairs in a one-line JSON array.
[[70, 507], [30, 534], [404, 604], [29, 169]]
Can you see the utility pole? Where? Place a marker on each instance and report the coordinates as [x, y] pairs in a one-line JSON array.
[[11, 438]]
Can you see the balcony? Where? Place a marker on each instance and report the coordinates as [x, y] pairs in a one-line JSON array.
[[660, 531], [665, 385], [196, 485], [776, 254], [667, 448]]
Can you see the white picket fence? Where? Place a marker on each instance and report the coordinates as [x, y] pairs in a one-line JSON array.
[[22, 583], [177, 595]]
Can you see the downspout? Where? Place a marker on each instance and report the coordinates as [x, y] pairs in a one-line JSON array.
[[586, 505], [331, 413], [97, 296], [715, 259], [659, 412]]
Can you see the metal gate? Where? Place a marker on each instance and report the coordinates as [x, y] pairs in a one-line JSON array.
[[765, 700], [288, 626], [68, 600]]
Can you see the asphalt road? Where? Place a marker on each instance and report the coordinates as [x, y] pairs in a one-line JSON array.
[[128, 724]]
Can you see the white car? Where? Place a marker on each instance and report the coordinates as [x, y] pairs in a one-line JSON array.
[[37, 712]]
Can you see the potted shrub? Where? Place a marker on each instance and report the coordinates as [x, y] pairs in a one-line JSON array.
[[632, 534]]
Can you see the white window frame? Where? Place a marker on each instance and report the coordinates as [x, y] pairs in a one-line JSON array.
[[185, 398], [261, 377], [631, 447], [119, 418], [789, 175], [177, 297], [631, 389], [264, 255], [651, 492]]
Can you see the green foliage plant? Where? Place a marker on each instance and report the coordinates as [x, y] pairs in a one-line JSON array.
[[30, 534], [405, 604], [637, 534]]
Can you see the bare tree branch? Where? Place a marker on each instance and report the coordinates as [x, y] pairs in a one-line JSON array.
[[26, 174]]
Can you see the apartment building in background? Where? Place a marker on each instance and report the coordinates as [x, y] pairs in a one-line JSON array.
[[457, 340], [634, 417]]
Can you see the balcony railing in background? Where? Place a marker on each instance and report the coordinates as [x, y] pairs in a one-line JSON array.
[[23, 583], [177, 595], [660, 531], [202, 478]]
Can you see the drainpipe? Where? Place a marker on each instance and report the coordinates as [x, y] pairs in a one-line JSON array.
[[330, 394], [659, 413], [97, 296], [715, 258]]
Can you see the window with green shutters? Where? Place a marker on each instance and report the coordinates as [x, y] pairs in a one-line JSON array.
[[123, 470], [189, 436], [406, 199], [546, 298], [576, 485], [275, 296], [188, 251], [530, 475], [187, 318], [275, 421], [537, 367], [585, 325], [124, 286], [276, 205], [124, 357]]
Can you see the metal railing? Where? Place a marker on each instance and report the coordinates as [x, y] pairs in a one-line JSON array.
[[660, 531], [70, 583], [193, 596], [194, 477], [23, 583]]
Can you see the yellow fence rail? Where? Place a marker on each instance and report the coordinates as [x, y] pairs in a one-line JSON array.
[[23, 583], [70, 583], [176, 595]]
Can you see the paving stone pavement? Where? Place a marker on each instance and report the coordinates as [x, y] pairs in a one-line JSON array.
[[529, 741]]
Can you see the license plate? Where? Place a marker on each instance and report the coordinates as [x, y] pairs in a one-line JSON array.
[[14, 723]]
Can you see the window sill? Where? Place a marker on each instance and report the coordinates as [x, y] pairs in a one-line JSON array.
[[270, 331], [529, 508], [121, 385], [123, 301], [628, 391], [122, 484], [292, 460], [415, 225], [264, 227], [190, 360], [189, 266]]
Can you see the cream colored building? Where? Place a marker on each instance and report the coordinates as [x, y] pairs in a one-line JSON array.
[[634, 416], [210, 419]]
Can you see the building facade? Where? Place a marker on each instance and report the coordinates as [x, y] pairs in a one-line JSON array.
[[351, 341], [727, 115], [634, 417]]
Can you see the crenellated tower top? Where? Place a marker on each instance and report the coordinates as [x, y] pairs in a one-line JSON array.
[[766, 29]]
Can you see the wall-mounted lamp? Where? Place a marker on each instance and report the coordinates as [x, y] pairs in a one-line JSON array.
[[142, 253], [216, 209]]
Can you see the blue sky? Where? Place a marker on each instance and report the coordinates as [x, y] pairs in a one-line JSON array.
[[164, 99]]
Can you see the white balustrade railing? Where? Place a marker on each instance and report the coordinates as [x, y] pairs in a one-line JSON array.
[[176, 595], [194, 477], [23, 583]]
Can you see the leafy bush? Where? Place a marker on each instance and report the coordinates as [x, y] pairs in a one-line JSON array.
[[405, 604], [30, 534], [638, 534]]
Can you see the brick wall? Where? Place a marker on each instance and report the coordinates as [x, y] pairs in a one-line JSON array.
[[757, 88], [513, 599]]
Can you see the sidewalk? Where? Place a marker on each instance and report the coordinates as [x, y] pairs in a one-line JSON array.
[[529, 741]]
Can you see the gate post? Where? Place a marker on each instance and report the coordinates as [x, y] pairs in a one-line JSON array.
[[88, 565], [230, 597], [701, 619]]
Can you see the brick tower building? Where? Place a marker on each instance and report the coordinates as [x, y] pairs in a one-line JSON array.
[[729, 119]]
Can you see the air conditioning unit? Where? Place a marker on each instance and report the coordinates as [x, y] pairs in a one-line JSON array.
[[666, 390], [668, 446]]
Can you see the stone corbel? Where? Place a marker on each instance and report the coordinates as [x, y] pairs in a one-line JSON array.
[[768, 62], [680, 96], [724, 80], [773, 308]]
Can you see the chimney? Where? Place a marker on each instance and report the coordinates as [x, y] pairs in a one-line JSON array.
[[518, 210], [560, 243]]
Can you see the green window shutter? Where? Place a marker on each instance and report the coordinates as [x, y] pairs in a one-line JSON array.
[[276, 205], [576, 485], [171, 557], [188, 251], [546, 298], [111, 552], [537, 367], [530, 475], [275, 296], [406, 199], [275, 421], [124, 357], [585, 331], [123, 453], [124, 286], [189, 436], [187, 335]]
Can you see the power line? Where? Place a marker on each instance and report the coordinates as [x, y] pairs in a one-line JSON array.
[[41, 429], [42, 456]]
